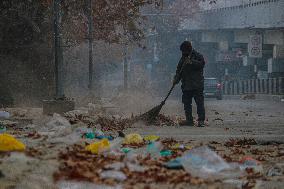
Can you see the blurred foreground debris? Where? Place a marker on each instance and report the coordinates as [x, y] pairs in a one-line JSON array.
[[93, 149]]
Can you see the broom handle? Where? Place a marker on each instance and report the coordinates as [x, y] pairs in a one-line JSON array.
[[164, 101], [172, 88]]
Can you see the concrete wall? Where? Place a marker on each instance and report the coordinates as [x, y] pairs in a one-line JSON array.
[[225, 3], [249, 14]]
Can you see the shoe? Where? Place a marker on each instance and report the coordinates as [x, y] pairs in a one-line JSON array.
[[201, 124], [186, 123]]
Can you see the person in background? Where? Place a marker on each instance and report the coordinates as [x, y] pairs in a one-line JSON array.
[[190, 72]]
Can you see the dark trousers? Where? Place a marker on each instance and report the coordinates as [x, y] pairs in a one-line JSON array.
[[199, 100]]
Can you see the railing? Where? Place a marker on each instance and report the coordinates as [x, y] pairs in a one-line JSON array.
[[273, 86]]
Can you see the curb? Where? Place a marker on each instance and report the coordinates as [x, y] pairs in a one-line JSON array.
[[275, 98]]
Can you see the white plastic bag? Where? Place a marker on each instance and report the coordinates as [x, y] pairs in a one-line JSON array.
[[4, 115], [117, 175], [204, 163], [58, 126]]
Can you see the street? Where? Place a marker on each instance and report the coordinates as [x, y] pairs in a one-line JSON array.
[[96, 94], [262, 120], [236, 129]]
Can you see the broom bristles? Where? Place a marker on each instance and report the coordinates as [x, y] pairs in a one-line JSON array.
[[151, 115]]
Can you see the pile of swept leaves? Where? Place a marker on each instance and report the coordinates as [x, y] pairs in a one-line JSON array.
[[117, 123]]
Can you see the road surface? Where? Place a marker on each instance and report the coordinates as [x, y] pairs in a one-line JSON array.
[[262, 120]]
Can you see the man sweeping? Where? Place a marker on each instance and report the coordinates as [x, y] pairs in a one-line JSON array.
[[190, 72]]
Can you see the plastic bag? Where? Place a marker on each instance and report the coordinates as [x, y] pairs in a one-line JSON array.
[[83, 185], [100, 135], [133, 138], [125, 150], [57, 126], [134, 154], [104, 137], [115, 166], [116, 143], [117, 175], [180, 146], [99, 147], [276, 170], [204, 163], [249, 162], [9, 143], [90, 135], [235, 182], [4, 115], [115, 149], [151, 138], [58, 121], [165, 153], [82, 130], [174, 164], [154, 149], [134, 167], [3, 128], [98, 132]]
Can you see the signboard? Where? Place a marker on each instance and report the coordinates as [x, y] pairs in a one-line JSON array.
[[255, 46]]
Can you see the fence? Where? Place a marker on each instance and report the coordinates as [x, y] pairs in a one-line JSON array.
[[273, 86]]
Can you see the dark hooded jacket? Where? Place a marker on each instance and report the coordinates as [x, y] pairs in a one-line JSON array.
[[190, 72]]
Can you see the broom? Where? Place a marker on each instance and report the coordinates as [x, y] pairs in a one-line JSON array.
[[151, 115]]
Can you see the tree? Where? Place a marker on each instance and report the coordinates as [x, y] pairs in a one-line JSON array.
[[26, 31], [23, 22], [26, 21]]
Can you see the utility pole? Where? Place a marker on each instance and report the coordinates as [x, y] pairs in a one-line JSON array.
[[125, 62], [90, 37], [60, 104], [58, 53]]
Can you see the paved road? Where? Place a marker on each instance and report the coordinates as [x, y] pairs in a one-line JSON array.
[[262, 120]]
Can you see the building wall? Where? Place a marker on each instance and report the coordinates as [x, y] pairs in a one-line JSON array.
[[257, 14]]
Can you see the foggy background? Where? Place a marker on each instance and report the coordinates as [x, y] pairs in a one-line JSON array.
[[26, 56]]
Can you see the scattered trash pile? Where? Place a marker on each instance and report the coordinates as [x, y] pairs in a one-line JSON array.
[[98, 151], [135, 159], [128, 160]]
